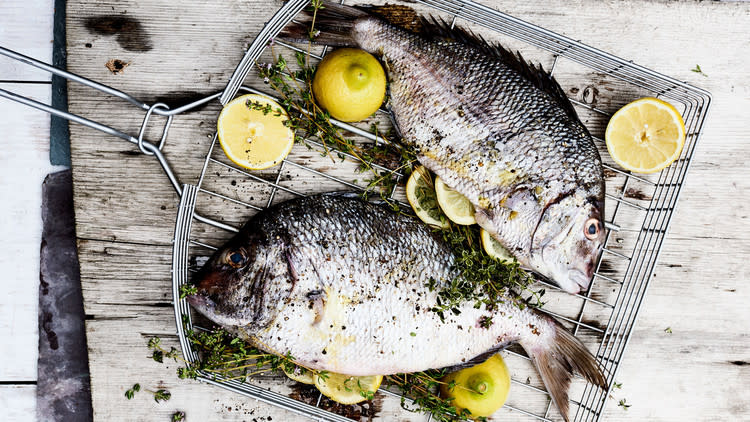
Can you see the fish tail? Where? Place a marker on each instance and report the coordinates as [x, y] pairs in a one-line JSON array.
[[331, 24], [556, 362]]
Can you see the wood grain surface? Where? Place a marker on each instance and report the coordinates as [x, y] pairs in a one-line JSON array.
[[125, 207]]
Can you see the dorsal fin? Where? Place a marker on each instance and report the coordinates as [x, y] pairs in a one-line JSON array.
[[436, 27]]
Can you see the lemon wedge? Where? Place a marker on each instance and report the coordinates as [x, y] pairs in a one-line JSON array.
[[420, 193], [646, 135], [252, 132], [349, 83], [493, 247], [455, 206], [300, 374], [346, 389], [481, 389]]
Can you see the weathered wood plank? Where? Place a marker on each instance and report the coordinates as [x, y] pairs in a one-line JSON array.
[[698, 289]]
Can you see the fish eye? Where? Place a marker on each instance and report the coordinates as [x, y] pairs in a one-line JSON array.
[[236, 259], [592, 228]]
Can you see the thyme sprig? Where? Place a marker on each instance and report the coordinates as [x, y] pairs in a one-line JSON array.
[[159, 395], [294, 91]]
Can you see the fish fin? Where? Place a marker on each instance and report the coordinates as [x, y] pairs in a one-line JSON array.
[[333, 26], [318, 300], [557, 361], [476, 360], [535, 74]]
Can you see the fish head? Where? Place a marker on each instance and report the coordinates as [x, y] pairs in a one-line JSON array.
[[567, 241], [226, 283]]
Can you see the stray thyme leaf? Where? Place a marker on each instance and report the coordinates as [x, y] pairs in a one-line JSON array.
[[485, 322], [187, 290], [158, 356], [668, 330], [161, 395], [623, 404], [178, 416], [697, 69], [131, 392], [617, 385]]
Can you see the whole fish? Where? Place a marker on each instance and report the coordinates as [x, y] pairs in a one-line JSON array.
[[342, 285], [493, 127]]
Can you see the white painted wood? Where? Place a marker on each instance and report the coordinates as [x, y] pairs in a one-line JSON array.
[[18, 402], [26, 27], [23, 165], [695, 373]]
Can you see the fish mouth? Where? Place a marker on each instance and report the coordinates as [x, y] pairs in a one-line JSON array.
[[580, 281], [197, 301]]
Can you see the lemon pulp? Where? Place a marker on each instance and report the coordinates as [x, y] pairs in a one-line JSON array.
[[493, 247], [252, 132], [455, 206], [346, 389], [420, 193]]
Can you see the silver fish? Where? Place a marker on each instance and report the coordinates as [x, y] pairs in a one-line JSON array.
[[493, 127], [342, 285]]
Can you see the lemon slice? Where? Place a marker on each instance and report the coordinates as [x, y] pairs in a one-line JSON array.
[[346, 389], [481, 389], [646, 135], [455, 206], [252, 132], [493, 247], [300, 374], [421, 196]]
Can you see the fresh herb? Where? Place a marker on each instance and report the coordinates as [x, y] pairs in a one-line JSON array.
[[421, 389], [698, 70], [187, 290], [131, 392], [623, 403], [178, 416], [158, 354], [668, 330], [384, 161], [368, 395], [483, 280], [161, 395], [617, 385]]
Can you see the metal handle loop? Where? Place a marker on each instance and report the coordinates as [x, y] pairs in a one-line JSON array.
[[145, 122]]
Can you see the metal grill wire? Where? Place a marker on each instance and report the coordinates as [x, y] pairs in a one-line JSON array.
[[654, 219]]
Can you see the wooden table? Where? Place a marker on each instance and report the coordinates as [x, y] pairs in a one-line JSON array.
[[125, 207]]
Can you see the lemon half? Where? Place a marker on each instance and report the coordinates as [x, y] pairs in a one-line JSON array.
[[481, 389], [420, 193], [346, 389], [646, 135], [252, 132], [455, 206]]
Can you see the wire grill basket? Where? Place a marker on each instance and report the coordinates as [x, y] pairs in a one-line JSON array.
[[639, 208]]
